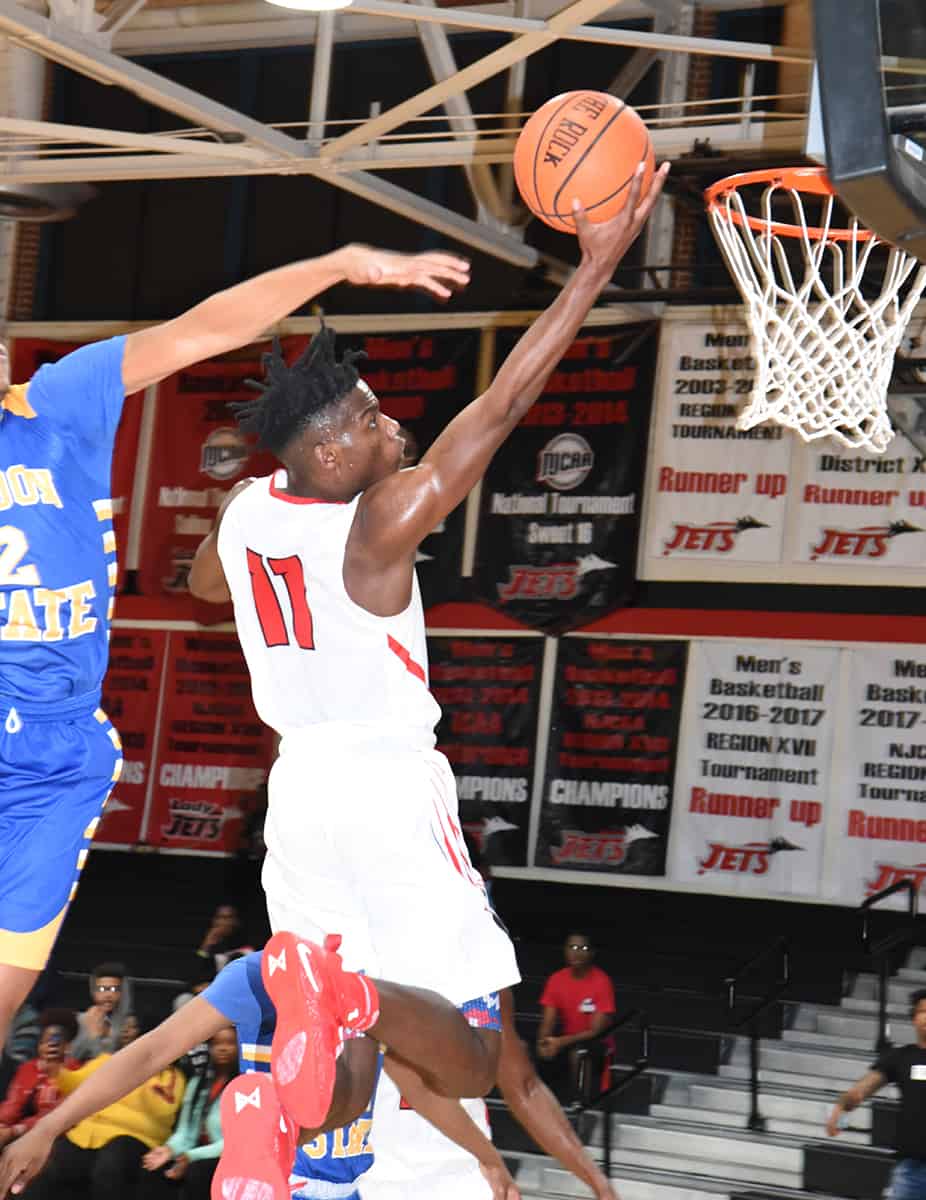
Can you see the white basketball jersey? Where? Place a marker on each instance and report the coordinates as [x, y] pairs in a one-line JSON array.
[[315, 657]]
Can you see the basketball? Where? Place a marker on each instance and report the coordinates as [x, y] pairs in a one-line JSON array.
[[584, 145]]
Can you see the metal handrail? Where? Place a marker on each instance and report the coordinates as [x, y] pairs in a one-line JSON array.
[[775, 991], [603, 1099], [881, 949]]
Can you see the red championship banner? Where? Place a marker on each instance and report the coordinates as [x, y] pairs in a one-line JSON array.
[[31, 353], [753, 790], [132, 699], [881, 834], [212, 753], [488, 689], [198, 454], [607, 795]]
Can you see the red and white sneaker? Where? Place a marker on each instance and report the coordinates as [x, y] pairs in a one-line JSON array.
[[315, 1001], [260, 1142]]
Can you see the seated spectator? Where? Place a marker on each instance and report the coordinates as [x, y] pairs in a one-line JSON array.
[[578, 1001], [224, 937], [183, 1167], [100, 1158], [34, 1090], [100, 1025]]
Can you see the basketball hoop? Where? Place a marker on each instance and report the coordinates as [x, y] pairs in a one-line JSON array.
[[824, 348]]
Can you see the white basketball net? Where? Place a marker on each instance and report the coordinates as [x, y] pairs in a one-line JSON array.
[[824, 351]]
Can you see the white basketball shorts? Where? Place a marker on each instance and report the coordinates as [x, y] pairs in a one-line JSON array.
[[412, 1161], [365, 841]]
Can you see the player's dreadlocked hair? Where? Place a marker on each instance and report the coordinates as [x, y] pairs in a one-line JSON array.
[[290, 398]]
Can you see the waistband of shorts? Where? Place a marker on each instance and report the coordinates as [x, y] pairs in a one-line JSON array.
[[324, 1189], [330, 736], [50, 710]]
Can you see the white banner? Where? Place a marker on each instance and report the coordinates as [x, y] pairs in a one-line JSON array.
[[881, 835], [753, 781], [762, 505]]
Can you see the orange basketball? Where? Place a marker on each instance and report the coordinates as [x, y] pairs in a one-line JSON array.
[[585, 145]]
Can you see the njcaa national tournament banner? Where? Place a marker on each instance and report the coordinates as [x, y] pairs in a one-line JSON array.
[[607, 793], [28, 354], [560, 505], [422, 381], [762, 505], [881, 835], [132, 700], [197, 456], [753, 787], [488, 689], [212, 751]]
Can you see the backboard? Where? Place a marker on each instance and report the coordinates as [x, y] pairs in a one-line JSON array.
[[868, 112]]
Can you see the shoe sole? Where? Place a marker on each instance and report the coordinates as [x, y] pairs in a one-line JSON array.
[[308, 1038], [250, 1167]]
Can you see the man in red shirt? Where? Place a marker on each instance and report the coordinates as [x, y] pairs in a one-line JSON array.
[[579, 1001]]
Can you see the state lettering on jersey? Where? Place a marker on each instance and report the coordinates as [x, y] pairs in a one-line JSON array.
[[38, 614], [351, 1141]]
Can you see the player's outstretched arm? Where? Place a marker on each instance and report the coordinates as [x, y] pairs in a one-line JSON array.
[[240, 314], [121, 1074], [403, 510], [537, 1110]]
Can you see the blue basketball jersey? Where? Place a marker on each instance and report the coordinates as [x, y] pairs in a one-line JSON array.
[[57, 546], [330, 1167]]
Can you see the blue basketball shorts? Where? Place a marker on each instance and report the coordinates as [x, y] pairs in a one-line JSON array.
[[58, 764]]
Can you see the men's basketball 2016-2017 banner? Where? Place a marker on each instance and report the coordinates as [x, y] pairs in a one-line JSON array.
[[761, 505]]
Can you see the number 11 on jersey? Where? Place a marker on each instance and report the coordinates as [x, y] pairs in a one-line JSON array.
[[266, 602]]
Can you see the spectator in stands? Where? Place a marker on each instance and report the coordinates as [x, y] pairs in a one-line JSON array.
[[578, 1001], [184, 1165], [224, 937], [100, 1026], [100, 1157], [34, 1090], [904, 1066]]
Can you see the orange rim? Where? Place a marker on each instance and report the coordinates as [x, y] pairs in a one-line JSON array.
[[810, 180]]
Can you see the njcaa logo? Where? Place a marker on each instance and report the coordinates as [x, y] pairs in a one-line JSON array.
[[718, 537], [890, 874], [565, 462], [870, 541], [224, 453]]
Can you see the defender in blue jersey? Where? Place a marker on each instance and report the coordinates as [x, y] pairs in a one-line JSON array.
[[324, 1165], [59, 756]]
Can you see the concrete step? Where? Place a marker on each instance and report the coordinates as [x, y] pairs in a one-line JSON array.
[[701, 1170], [813, 1083], [831, 1042], [774, 1055], [788, 1107], [899, 988], [543, 1177], [913, 974], [861, 1006], [805, 1130], [747, 1149]]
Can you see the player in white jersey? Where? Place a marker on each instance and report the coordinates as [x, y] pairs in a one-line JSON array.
[[363, 837]]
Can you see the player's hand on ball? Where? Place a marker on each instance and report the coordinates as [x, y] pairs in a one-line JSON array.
[[604, 245], [22, 1161], [438, 274]]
